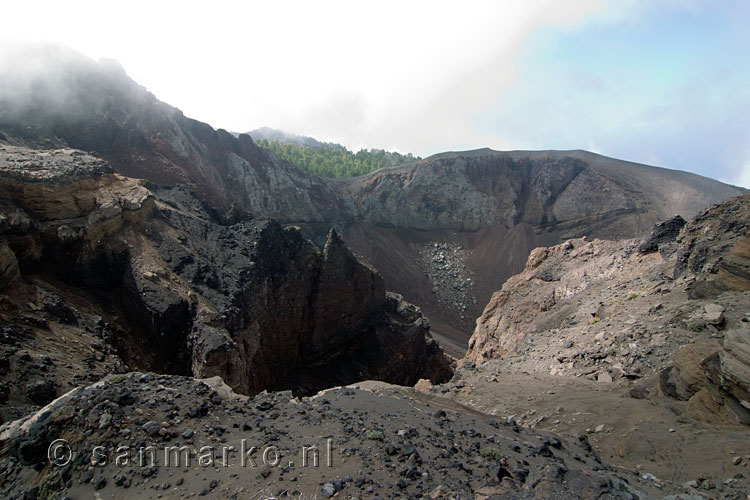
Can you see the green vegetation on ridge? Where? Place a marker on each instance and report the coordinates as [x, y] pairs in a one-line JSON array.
[[334, 160]]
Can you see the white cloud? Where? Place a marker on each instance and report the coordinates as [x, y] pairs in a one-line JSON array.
[[408, 75]]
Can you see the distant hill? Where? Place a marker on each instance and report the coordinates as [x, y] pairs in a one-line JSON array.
[[326, 159]]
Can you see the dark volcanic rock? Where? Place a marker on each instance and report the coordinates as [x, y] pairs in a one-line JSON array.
[[662, 233], [41, 392], [9, 271], [306, 319], [253, 302]]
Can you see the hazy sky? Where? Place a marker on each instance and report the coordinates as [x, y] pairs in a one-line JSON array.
[[658, 82]]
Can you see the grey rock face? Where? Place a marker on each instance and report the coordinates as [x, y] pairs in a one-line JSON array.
[[715, 246], [476, 189]]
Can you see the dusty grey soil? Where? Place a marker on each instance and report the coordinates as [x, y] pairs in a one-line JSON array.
[[373, 441], [656, 435]]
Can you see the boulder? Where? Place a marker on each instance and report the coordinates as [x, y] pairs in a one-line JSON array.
[[41, 392], [714, 314], [664, 232]]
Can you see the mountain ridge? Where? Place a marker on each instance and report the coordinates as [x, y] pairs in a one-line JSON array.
[[496, 206]]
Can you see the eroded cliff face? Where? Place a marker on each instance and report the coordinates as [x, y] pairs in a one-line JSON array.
[[576, 192], [158, 284], [307, 319], [484, 188]]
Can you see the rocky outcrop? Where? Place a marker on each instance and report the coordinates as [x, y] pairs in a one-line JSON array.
[[710, 249], [721, 370], [542, 298], [306, 319], [728, 375], [716, 247], [685, 376], [165, 286]]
